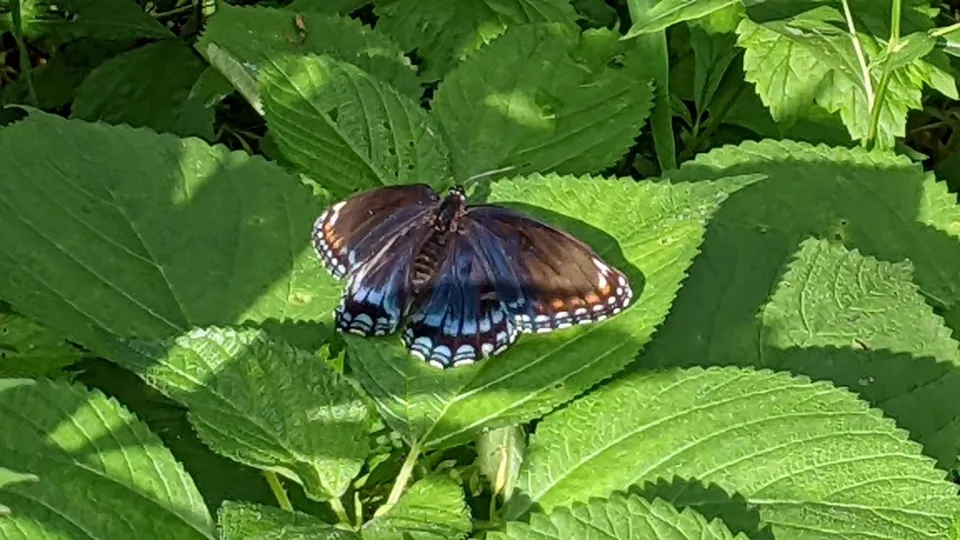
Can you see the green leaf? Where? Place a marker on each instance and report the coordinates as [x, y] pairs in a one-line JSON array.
[[347, 130], [65, 20], [262, 403], [172, 234], [807, 61], [444, 33], [499, 457], [57, 80], [30, 350], [239, 520], [197, 113], [524, 101], [824, 462], [432, 509], [713, 54], [666, 13], [617, 518], [649, 231], [99, 472], [856, 321], [830, 296], [144, 87], [876, 202], [343, 7], [256, 36]]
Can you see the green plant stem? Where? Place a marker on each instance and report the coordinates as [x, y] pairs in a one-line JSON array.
[[661, 117], [945, 30], [277, 488], [340, 511], [24, 54], [406, 471], [895, 24], [861, 58], [877, 105]]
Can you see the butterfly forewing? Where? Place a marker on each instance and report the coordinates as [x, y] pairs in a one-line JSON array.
[[351, 232], [563, 281]]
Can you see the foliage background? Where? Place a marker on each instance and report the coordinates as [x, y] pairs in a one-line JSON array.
[[781, 193]]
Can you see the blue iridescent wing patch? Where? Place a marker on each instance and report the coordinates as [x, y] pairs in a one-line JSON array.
[[465, 313]]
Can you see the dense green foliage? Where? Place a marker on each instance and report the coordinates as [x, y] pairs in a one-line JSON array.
[[777, 179]]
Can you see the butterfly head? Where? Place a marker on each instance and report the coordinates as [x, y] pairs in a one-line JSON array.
[[453, 207]]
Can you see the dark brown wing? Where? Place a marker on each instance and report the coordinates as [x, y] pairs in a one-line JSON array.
[[353, 231], [563, 281]]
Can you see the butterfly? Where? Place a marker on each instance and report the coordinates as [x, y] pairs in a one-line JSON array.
[[462, 280]]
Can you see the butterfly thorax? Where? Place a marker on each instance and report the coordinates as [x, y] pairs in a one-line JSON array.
[[445, 223]]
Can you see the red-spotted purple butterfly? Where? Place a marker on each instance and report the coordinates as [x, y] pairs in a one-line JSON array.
[[463, 280]]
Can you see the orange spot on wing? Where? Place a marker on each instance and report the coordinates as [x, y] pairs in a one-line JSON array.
[[592, 298], [575, 302], [557, 303]]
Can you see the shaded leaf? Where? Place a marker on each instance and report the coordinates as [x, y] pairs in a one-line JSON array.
[[525, 101], [817, 467], [431, 509], [172, 234], [347, 130], [617, 518], [98, 471], [263, 404], [443, 33], [879, 203], [257, 35], [144, 87], [197, 113], [239, 520], [666, 13], [65, 20], [649, 231], [30, 350], [343, 7]]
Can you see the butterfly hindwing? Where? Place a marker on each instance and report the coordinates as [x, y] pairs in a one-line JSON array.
[[376, 294], [462, 315], [563, 281], [352, 231]]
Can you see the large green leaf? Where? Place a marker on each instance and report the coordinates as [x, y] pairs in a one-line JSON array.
[[530, 100], [257, 35], [810, 459], [262, 403], [98, 472], [145, 87], [444, 32], [854, 320], [809, 60], [246, 521], [343, 7], [650, 231], [617, 518], [877, 202], [30, 350], [129, 233], [347, 130], [432, 509]]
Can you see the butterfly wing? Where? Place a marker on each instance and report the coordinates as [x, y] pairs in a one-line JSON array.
[[563, 282], [376, 294], [353, 231], [463, 314]]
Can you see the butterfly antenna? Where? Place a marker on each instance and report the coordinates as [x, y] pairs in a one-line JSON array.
[[486, 174]]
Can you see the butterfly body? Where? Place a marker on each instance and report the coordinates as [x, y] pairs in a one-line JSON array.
[[463, 280]]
